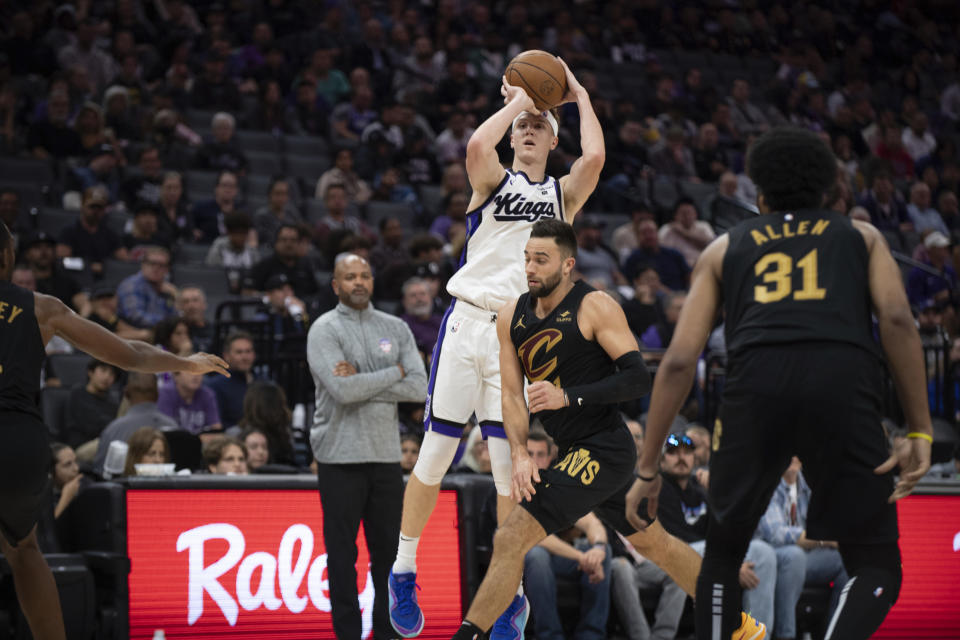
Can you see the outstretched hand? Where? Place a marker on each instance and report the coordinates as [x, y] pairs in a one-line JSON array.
[[914, 461], [643, 489], [511, 93], [207, 363]]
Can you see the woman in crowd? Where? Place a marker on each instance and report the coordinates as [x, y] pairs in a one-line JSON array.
[[66, 476], [265, 409], [258, 448], [147, 446]]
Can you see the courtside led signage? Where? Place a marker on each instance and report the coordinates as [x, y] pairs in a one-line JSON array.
[[251, 563]]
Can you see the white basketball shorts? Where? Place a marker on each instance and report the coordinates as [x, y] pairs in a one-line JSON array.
[[465, 373]]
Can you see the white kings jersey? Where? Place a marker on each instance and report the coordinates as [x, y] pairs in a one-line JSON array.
[[491, 271]]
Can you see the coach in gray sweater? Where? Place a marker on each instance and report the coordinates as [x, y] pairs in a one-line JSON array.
[[363, 363]]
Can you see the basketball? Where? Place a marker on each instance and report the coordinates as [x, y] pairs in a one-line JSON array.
[[541, 75]]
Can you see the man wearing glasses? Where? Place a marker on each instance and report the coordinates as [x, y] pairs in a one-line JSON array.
[[146, 298], [682, 511]]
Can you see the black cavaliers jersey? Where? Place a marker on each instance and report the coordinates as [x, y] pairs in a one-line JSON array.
[[21, 351], [553, 349], [796, 277]]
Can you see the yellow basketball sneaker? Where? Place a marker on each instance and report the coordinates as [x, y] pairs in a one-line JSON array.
[[750, 629]]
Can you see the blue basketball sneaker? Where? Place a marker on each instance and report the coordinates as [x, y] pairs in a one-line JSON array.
[[405, 614], [510, 624]]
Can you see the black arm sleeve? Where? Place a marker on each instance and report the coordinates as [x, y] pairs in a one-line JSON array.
[[631, 381]]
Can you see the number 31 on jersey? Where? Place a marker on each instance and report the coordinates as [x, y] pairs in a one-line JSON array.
[[777, 270]]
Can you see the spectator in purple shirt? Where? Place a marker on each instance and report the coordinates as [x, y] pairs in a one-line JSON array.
[[192, 405], [419, 315]]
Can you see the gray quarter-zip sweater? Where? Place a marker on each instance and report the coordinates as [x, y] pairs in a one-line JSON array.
[[356, 416]]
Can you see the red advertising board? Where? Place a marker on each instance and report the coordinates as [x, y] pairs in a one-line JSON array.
[[212, 563], [251, 563], [929, 603]]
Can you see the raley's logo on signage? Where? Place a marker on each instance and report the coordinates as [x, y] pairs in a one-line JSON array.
[[208, 564], [284, 569]]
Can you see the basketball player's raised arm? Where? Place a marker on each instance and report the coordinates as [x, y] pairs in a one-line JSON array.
[[901, 343], [483, 164], [585, 171], [516, 418], [55, 318]]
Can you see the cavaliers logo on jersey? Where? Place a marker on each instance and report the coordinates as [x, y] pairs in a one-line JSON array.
[[534, 351]]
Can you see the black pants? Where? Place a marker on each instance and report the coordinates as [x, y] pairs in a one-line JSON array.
[[819, 401], [351, 493]]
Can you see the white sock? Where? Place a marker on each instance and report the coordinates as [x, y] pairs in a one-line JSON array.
[[406, 561]]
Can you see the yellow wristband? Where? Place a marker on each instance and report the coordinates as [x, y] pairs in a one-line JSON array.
[[924, 436]]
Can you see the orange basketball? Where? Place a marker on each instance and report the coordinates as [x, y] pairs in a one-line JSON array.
[[541, 75]]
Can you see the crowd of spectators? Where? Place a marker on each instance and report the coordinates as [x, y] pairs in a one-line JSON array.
[[261, 138]]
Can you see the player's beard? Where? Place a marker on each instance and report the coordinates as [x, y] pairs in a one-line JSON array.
[[547, 285]]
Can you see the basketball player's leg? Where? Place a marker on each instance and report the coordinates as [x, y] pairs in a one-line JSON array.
[[499, 450], [451, 398], [565, 494], [25, 462], [744, 471], [501, 465], [513, 539], [513, 618], [490, 414], [452, 393], [423, 486], [848, 500], [871, 591], [35, 586], [674, 556], [677, 559]]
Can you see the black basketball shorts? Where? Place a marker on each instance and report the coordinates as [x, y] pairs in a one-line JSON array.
[[820, 401], [25, 464], [592, 474]]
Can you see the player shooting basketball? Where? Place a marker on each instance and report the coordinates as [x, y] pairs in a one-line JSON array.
[[465, 374]]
